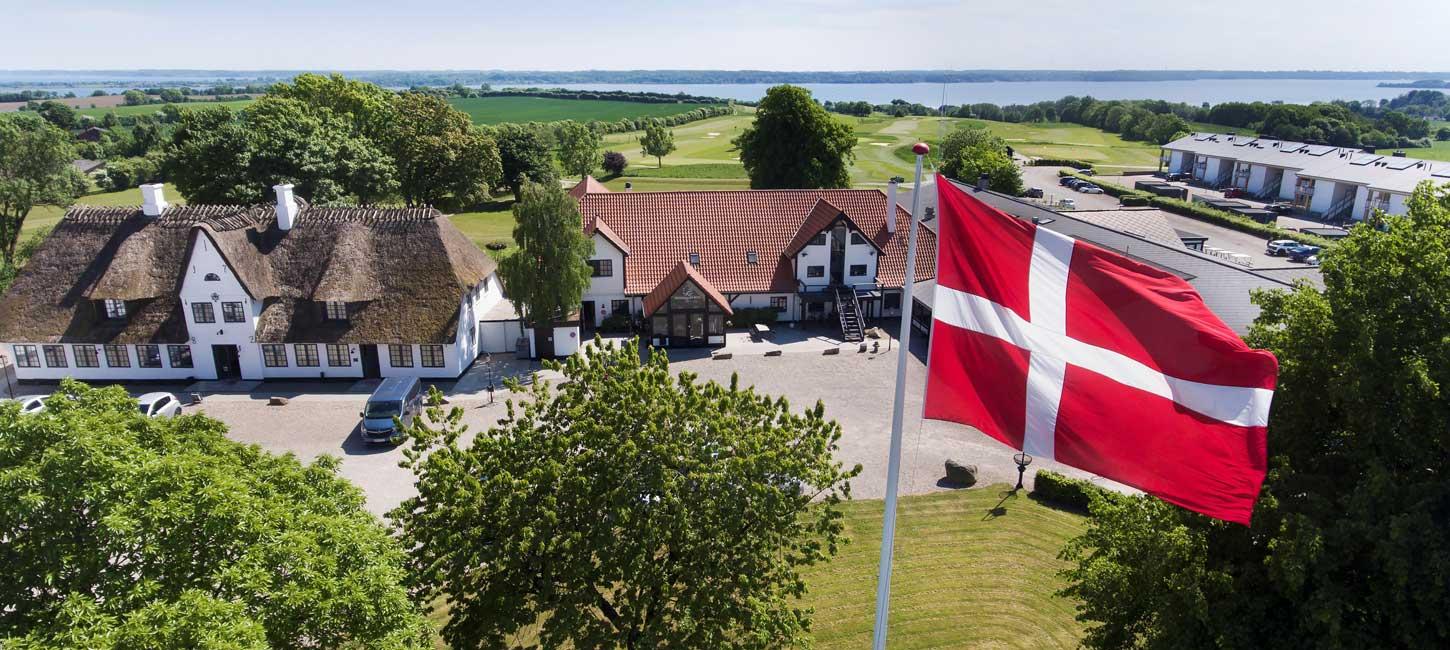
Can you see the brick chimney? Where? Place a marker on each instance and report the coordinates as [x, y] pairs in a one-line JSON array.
[[153, 199], [287, 207]]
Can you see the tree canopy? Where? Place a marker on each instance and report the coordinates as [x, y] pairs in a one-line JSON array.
[[35, 169], [657, 141], [968, 153], [578, 149], [547, 275], [795, 144], [625, 508], [524, 155], [127, 531], [1349, 539], [440, 154]]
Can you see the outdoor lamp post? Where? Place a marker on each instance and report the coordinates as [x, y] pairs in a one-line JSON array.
[[1023, 459]]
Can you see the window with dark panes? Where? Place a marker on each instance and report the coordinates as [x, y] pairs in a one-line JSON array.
[[752, 257], [400, 356], [601, 268], [779, 303], [232, 312], [336, 311], [180, 355], [815, 271], [858, 269], [339, 355], [274, 355], [27, 356], [55, 356], [148, 356], [115, 309], [306, 355], [619, 307], [715, 325], [212, 277], [660, 325], [203, 312], [117, 356], [891, 301], [857, 239], [86, 356], [432, 356], [819, 239]]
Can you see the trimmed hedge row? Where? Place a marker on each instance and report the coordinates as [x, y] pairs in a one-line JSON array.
[[1062, 162], [1066, 491], [1200, 212], [749, 316]]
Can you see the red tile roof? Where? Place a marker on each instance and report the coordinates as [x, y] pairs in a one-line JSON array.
[[604, 229], [821, 217], [658, 296], [663, 228], [588, 186]]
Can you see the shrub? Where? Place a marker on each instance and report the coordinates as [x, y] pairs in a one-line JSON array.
[[615, 323], [1062, 162], [614, 163], [1135, 200], [496, 245], [749, 316], [1062, 490]]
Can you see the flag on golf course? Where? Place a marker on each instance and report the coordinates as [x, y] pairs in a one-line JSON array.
[[1082, 355]]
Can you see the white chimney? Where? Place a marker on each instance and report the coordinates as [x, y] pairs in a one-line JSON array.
[[891, 204], [286, 206], [153, 199]]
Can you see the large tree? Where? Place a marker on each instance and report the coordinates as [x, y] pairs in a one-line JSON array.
[[625, 508], [369, 106], [35, 170], [1351, 535], [440, 155], [794, 143], [1003, 174], [166, 532], [579, 153], [547, 276], [525, 157], [657, 141]]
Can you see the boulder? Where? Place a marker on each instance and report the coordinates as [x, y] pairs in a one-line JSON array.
[[961, 474], [276, 401]]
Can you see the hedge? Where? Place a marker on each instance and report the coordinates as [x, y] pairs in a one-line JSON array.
[[1062, 162], [1201, 212], [1066, 491], [749, 316]]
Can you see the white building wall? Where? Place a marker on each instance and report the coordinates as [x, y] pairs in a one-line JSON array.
[[814, 256], [1216, 169], [1177, 162], [1257, 175], [1397, 204], [105, 372], [602, 290], [1286, 186], [1323, 195], [450, 370], [863, 253], [206, 261], [323, 370], [762, 300], [1361, 197]]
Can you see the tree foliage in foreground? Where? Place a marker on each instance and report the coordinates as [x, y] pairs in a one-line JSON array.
[[127, 532], [35, 170], [625, 508], [795, 144], [1350, 542], [547, 275]]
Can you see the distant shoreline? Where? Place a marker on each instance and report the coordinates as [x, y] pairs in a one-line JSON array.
[[1428, 84]]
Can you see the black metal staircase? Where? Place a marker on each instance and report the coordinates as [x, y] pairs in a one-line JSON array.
[[853, 328]]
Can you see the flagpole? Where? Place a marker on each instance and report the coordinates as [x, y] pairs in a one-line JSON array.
[[893, 463]]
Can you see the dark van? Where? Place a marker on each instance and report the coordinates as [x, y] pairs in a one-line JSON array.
[[400, 397]]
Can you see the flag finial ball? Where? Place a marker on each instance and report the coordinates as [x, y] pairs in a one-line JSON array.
[[920, 149]]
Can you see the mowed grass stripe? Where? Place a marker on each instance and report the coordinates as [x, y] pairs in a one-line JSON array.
[[495, 110]]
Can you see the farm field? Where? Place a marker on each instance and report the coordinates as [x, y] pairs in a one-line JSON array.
[[147, 109], [494, 110]]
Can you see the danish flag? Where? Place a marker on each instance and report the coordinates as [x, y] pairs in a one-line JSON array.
[[1071, 352]]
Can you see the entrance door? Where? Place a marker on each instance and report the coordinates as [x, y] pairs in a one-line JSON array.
[[371, 368], [228, 361], [697, 328], [838, 255], [544, 341], [586, 314]]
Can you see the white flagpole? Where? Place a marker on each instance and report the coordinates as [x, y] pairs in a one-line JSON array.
[[893, 463]]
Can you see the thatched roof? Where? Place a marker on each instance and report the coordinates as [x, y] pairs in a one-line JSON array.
[[402, 271]]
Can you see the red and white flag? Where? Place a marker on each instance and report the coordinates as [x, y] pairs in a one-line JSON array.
[[1078, 354]]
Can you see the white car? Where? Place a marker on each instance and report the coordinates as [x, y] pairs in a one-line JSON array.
[[1280, 247], [159, 405], [1089, 189], [31, 403]]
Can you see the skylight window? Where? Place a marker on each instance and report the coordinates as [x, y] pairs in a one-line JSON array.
[[751, 257], [694, 259]]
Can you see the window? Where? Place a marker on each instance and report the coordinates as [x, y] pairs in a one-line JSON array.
[[54, 356], [660, 325], [335, 310], [27, 356], [819, 239], [274, 355], [432, 356], [694, 259], [148, 356], [212, 277], [202, 312], [752, 257], [86, 356], [602, 268], [232, 312], [115, 309], [117, 356], [180, 355], [306, 354], [715, 325], [619, 307], [339, 356], [891, 301], [815, 271], [857, 239], [858, 270], [778, 302], [400, 356]]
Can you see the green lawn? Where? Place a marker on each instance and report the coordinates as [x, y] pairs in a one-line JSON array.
[[493, 222], [148, 109], [1438, 150], [493, 110], [45, 216]]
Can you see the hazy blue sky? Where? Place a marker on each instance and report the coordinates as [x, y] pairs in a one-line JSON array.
[[772, 34]]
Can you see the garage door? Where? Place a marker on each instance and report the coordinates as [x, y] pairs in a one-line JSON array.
[[497, 337]]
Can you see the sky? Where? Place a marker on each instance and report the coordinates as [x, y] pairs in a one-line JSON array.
[[725, 34]]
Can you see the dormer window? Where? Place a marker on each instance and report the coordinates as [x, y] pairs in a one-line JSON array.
[[751, 257], [694, 259], [335, 310], [819, 239], [212, 277], [115, 309]]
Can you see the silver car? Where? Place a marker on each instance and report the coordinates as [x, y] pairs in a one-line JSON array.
[[159, 405], [30, 404]]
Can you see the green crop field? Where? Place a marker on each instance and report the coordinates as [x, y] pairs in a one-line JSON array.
[[147, 109], [494, 110]]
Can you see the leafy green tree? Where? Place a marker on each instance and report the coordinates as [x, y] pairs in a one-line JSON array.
[[1349, 539], [165, 533], [578, 149], [35, 169], [439, 153], [109, 120], [959, 142], [172, 96], [657, 142], [614, 163], [795, 144], [368, 106], [59, 114], [625, 508], [9, 268], [547, 276], [135, 98], [1002, 173], [524, 155], [1443, 133]]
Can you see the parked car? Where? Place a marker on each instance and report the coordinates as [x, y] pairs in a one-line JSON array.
[[1033, 193], [1280, 207], [1067, 204], [1086, 172], [1303, 253], [1065, 180], [1312, 261], [396, 397], [1280, 247], [1176, 177], [30, 403], [1089, 188], [159, 405]]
